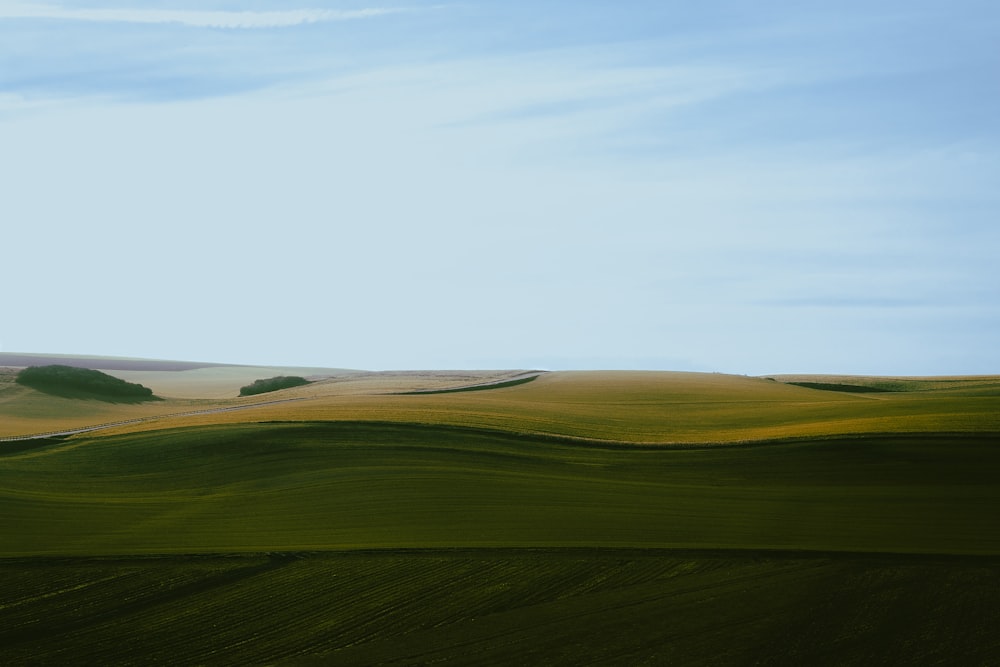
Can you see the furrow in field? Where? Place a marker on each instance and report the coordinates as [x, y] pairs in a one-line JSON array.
[[73, 614], [483, 607]]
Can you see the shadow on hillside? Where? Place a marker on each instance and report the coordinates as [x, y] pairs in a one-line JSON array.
[[21, 446], [849, 388]]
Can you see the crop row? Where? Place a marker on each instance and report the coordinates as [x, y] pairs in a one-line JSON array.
[[332, 486], [498, 607]]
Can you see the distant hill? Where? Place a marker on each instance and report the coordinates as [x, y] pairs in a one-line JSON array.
[[73, 382], [22, 360]]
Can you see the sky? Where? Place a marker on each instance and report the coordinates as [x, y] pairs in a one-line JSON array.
[[783, 186]]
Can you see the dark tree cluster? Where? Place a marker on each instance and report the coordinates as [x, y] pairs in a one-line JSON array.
[[81, 382], [273, 384]]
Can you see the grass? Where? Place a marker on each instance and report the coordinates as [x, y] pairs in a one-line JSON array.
[[24, 411], [271, 487], [500, 607], [655, 407], [532, 523]]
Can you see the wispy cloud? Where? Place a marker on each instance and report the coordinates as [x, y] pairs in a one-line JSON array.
[[852, 302], [193, 18]]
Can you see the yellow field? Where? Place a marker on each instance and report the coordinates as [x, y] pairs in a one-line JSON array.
[[639, 407], [660, 407], [216, 382], [24, 411]]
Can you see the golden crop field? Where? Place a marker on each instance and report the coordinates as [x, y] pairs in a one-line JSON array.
[[651, 407], [526, 518], [25, 411], [621, 406]]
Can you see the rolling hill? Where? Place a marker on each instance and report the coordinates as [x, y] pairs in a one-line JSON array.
[[572, 518]]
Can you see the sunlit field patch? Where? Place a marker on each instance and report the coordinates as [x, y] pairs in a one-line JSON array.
[[599, 516], [655, 407]]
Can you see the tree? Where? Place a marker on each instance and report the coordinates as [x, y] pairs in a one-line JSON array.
[[264, 386]]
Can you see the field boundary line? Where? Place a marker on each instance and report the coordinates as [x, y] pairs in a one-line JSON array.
[[520, 378], [554, 438], [559, 438], [144, 420]]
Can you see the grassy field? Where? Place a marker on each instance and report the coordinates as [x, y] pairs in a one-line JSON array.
[[501, 607], [24, 411], [638, 407], [643, 407], [536, 522], [272, 487]]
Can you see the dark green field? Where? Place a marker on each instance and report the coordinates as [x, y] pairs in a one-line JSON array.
[[274, 487], [482, 607], [367, 543]]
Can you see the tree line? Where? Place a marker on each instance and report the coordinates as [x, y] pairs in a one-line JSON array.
[[69, 380], [264, 386]]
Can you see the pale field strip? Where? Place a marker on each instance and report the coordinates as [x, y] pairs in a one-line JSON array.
[[655, 408], [141, 420], [22, 410]]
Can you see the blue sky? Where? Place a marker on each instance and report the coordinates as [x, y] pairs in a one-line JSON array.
[[740, 187]]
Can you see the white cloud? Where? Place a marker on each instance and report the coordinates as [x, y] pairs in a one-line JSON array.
[[194, 18]]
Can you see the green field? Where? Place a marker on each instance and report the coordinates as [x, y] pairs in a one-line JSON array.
[[272, 487], [501, 607], [483, 528]]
